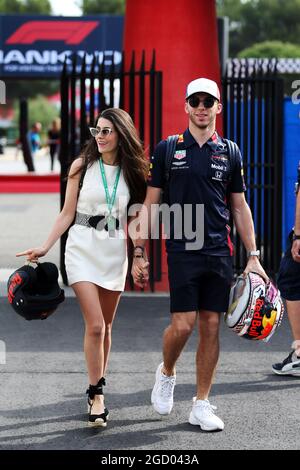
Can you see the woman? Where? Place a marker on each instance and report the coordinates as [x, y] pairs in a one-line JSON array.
[[54, 141], [115, 168]]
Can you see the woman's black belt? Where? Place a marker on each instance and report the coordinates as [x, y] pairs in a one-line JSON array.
[[97, 222]]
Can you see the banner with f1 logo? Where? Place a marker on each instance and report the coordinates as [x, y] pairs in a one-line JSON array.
[[37, 45]]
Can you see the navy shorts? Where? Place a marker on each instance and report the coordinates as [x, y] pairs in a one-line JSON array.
[[289, 277], [199, 282]]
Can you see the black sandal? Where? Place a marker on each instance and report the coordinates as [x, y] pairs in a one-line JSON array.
[[96, 419]]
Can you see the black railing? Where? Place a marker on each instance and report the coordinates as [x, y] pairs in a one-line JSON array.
[[253, 117], [86, 90]]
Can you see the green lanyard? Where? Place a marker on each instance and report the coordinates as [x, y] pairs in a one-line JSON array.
[[110, 200]]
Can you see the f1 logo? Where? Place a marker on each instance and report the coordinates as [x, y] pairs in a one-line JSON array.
[[71, 32]]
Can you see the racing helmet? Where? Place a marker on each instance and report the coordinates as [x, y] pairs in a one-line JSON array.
[[34, 293], [255, 308]]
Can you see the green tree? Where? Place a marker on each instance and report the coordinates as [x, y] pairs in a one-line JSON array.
[[261, 20], [275, 49], [271, 49], [42, 111], [16, 89], [37, 6], [39, 110], [230, 8], [90, 7], [25, 6], [10, 6]]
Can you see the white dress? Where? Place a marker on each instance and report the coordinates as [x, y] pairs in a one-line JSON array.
[[91, 254]]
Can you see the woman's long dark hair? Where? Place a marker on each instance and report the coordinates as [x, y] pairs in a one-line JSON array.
[[131, 155]]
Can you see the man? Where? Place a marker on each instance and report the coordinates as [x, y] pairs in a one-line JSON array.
[[200, 274], [289, 285], [34, 137]]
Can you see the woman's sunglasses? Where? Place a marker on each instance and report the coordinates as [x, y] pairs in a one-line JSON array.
[[207, 102], [105, 132]]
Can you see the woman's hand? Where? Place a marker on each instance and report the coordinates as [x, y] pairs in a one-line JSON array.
[[33, 254], [139, 271]]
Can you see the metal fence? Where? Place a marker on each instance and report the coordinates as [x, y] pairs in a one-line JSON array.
[[253, 117], [88, 89]]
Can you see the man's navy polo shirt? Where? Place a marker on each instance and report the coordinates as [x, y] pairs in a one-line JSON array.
[[200, 175]]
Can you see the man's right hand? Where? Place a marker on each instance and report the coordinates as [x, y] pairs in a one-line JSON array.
[[140, 272]]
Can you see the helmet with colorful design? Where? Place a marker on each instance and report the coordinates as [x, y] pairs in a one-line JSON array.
[[255, 308], [34, 293]]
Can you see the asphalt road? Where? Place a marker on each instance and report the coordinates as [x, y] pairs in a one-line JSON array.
[[43, 383]]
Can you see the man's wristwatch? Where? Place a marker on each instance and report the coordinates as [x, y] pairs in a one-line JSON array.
[[296, 237], [253, 253]]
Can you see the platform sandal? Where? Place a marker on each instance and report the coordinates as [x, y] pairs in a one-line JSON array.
[[96, 420]]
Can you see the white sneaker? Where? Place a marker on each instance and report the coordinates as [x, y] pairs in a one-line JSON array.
[[290, 365], [213, 407], [162, 393], [203, 415]]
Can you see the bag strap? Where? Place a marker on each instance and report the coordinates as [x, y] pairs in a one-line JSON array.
[[171, 146], [81, 179], [233, 152]]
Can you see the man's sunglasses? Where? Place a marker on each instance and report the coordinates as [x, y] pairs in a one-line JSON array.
[[104, 132], [207, 102]]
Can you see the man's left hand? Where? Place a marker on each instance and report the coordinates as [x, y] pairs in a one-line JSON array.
[[296, 251], [140, 271]]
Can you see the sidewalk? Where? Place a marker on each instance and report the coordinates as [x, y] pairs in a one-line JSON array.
[[11, 162], [25, 218], [43, 401], [46, 371]]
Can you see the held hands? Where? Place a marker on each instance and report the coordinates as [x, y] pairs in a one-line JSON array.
[[139, 269], [254, 266], [33, 254], [296, 251]]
